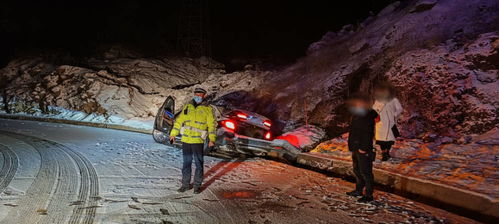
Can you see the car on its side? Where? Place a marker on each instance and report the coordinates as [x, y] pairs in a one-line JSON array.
[[238, 131]]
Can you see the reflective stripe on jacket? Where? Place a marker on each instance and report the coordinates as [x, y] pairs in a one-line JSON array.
[[195, 123]]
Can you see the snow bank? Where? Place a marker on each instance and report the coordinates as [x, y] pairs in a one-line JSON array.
[[304, 137], [125, 91], [65, 114]]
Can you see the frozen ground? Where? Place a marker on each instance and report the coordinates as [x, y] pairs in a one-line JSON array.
[[66, 172]]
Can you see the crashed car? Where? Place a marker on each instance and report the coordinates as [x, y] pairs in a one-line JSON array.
[[239, 131]]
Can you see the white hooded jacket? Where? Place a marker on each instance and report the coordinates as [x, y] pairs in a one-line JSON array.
[[388, 112]]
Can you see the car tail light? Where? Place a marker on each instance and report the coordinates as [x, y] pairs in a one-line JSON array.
[[268, 136], [230, 125], [241, 115], [267, 123]]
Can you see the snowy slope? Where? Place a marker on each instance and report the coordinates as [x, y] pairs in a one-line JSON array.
[[115, 90], [440, 54]]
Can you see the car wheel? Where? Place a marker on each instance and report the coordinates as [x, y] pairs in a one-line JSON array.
[[159, 137]]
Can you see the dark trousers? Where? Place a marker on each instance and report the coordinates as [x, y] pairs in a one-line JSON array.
[[363, 169], [189, 152], [385, 145], [385, 148]]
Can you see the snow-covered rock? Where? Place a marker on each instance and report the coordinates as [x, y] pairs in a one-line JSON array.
[[113, 87], [449, 91], [423, 5], [442, 56]]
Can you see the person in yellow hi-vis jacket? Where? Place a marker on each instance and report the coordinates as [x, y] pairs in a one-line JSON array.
[[196, 122]]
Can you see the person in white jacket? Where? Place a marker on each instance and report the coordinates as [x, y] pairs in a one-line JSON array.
[[388, 107]]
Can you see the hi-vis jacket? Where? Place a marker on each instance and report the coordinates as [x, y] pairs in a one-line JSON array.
[[195, 123]]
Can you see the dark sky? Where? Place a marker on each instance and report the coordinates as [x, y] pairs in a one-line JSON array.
[[238, 29]]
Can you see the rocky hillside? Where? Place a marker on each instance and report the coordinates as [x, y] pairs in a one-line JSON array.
[[129, 88], [442, 56]]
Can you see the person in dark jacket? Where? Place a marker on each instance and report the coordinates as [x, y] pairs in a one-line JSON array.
[[360, 143]]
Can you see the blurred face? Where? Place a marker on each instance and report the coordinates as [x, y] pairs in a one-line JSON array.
[[358, 107], [381, 94], [358, 103]]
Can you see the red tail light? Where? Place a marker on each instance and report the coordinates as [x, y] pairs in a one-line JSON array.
[[268, 136], [241, 115], [267, 123], [230, 125]]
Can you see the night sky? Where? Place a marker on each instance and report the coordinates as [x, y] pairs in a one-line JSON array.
[[268, 30]]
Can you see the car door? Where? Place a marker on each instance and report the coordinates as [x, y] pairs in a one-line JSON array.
[[164, 120]]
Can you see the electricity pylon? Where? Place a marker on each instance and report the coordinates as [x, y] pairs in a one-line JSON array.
[[193, 28]]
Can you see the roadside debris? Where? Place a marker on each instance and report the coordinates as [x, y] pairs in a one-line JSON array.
[[42, 211]]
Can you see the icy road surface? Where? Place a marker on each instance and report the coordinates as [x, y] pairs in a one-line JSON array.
[[55, 173]]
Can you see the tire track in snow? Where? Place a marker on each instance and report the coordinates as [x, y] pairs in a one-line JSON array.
[[65, 187], [70, 166], [41, 190], [9, 167], [89, 188]]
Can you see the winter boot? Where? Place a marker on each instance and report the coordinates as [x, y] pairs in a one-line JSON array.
[[197, 190], [354, 193], [183, 189], [365, 199], [385, 156]]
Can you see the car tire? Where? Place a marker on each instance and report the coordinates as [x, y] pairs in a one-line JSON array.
[[159, 137]]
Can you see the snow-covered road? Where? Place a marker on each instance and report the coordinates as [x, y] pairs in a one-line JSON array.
[[56, 173]]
